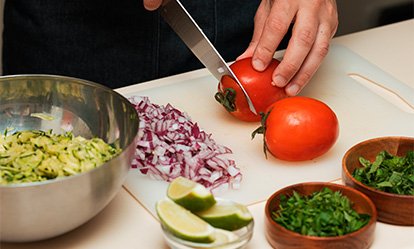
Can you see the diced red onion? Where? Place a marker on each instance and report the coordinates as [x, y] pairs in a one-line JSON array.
[[171, 145]]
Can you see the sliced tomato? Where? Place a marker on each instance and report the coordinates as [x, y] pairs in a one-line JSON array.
[[257, 85]]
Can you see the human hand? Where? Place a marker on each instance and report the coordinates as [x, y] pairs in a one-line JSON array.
[[315, 23], [152, 4]]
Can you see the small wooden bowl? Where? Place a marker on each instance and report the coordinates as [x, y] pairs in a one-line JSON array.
[[280, 237], [392, 208]]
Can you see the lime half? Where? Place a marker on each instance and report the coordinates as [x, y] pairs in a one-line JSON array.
[[189, 194], [184, 224], [227, 215]]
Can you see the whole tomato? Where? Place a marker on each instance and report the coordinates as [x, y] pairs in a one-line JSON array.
[[299, 129], [257, 85]]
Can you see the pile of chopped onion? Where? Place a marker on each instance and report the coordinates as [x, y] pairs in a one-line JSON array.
[[171, 145]]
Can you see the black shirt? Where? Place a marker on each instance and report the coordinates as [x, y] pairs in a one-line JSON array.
[[115, 43]]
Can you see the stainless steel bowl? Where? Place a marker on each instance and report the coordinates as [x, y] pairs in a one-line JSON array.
[[36, 211]]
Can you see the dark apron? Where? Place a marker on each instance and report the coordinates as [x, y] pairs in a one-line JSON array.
[[115, 43]]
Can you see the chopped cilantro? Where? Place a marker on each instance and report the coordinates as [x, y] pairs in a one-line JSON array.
[[324, 213]]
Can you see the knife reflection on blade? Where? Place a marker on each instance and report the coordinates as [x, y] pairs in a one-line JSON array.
[[187, 29]]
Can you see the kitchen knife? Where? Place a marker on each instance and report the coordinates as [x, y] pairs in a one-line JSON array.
[[187, 29]]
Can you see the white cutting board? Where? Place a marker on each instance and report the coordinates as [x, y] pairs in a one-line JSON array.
[[364, 111]]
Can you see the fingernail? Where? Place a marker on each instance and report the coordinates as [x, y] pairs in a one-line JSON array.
[[292, 89], [279, 81], [258, 65]]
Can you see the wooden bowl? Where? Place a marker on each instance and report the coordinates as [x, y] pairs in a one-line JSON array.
[[280, 237], [392, 208]]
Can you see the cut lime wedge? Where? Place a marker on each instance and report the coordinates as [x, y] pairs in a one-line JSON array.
[[189, 194], [184, 224], [227, 215]]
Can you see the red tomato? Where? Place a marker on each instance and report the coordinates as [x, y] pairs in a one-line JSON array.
[[257, 85], [300, 128]]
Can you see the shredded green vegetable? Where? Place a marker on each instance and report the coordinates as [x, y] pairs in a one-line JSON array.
[[34, 155]]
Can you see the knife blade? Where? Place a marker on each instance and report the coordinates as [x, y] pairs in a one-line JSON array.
[[180, 20]]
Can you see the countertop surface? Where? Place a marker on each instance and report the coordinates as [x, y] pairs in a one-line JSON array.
[[126, 223]]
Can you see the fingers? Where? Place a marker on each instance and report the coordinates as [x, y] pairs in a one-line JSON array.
[[326, 30], [152, 4], [275, 27], [311, 63], [302, 40], [315, 24], [259, 22]]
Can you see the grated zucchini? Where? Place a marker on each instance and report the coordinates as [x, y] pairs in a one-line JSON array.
[[34, 155]]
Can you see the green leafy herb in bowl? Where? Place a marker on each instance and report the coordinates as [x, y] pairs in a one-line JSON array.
[[323, 213], [319, 215], [388, 173], [382, 169]]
